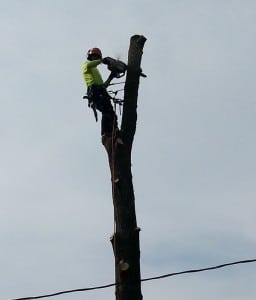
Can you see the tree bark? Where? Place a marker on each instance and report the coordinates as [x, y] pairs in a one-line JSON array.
[[125, 240]]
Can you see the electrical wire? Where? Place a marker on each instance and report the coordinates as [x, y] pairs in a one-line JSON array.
[[67, 292], [142, 280], [201, 270]]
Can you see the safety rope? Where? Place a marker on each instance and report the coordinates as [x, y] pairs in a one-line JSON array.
[[117, 100], [116, 91], [115, 83]]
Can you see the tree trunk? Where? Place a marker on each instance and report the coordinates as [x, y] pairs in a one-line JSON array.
[[125, 240]]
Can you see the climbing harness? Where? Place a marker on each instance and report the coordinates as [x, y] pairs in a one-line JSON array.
[[112, 96]]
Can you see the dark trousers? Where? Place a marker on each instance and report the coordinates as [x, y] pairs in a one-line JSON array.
[[99, 99]]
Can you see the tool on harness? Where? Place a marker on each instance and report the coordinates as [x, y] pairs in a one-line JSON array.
[[117, 67], [92, 106]]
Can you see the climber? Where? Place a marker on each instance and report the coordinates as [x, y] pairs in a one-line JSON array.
[[98, 97]]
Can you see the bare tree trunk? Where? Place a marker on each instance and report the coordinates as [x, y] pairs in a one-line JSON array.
[[125, 240]]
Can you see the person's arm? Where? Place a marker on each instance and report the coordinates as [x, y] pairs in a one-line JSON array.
[[110, 77], [93, 63]]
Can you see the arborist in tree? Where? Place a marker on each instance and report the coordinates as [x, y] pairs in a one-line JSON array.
[[98, 97]]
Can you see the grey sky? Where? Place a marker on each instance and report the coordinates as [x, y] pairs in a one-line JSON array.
[[193, 159]]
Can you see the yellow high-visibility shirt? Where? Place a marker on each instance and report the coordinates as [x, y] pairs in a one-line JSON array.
[[90, 72]]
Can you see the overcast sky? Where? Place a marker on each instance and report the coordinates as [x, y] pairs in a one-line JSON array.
[[194, 165]]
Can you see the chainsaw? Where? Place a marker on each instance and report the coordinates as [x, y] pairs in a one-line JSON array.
[[117, 67]]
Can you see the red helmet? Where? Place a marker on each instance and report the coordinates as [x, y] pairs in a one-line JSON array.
[[94, 51]]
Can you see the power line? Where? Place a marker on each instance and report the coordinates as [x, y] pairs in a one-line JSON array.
[[68, 292], [142, 280], [201, 270]]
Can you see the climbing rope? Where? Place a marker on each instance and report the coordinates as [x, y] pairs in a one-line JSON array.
[[116, 100], [115, 83]]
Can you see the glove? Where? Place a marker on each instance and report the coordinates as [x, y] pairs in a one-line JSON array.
[[105, 60]]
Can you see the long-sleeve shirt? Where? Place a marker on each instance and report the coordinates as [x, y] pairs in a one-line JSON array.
[[90, 72]]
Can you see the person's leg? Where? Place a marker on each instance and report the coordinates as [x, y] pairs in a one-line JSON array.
[[109, 119], [102, 102]]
